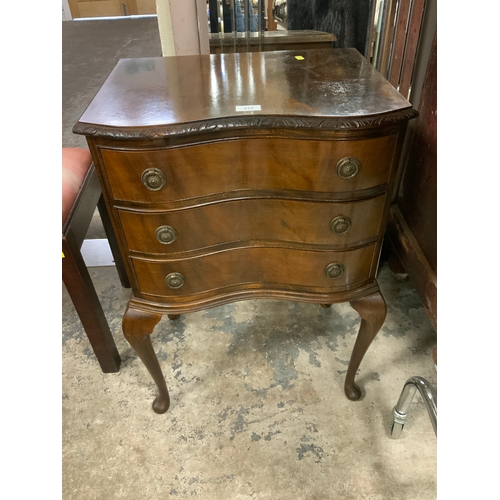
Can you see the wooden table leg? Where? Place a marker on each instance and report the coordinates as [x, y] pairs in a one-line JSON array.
[[372, 310], [81, 289], [137, 327]]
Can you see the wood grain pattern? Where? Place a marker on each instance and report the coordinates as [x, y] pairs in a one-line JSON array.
[[262, 267], [250, 196], [166, 92], [248, 220], [246, 164]]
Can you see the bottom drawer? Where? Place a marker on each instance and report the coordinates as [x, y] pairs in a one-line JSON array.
[[273, 268]]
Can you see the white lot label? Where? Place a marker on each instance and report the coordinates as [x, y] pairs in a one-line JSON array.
[[253, 107]]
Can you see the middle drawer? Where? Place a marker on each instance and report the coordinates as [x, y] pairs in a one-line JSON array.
[[320, 223]]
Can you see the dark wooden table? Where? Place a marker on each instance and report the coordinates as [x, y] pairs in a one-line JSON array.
[[224, 43], [247, 176]]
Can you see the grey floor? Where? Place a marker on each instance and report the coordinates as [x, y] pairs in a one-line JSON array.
[[258, 410]]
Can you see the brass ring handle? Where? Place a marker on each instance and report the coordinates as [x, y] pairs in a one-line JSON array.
[[166, 235], [340, 224], [175, 280], [334, 270], [348, 167], [153, 179]]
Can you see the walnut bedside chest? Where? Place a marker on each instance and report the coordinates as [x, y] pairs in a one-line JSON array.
[[261, 175]]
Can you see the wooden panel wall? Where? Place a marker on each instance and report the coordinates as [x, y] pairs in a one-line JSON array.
[[412, 227]]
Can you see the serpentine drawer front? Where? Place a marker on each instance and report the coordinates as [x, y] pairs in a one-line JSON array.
[[288, 164], [201, 227], [275, 185], [261, 266]]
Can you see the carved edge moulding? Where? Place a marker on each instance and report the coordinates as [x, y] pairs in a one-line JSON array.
[[253, 122]]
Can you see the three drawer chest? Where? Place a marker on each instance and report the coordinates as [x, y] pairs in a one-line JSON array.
[[263, 175]]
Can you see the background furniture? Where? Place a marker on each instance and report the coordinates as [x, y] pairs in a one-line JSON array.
[[395, 38], [412, 226], [222, 43], [81, 193], [275, 189]]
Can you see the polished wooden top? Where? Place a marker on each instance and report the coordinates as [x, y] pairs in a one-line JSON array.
[[325, 88]]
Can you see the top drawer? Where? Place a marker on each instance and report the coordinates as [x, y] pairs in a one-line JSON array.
[[180, 173]]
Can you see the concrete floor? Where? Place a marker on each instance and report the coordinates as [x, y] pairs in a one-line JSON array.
[[90, 50], [258, 410]]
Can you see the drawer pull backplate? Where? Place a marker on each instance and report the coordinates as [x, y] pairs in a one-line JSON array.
[[348, 167], [340, 224], [334, 270], [175, 280], [166, 235], [153, 179]]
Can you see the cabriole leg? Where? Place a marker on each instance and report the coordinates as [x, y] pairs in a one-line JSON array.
[[372, 310], [137, 327]]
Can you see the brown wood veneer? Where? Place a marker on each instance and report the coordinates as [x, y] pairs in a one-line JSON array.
[[250, 193]]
